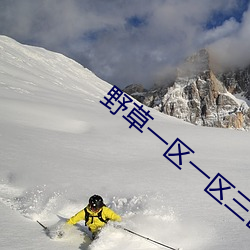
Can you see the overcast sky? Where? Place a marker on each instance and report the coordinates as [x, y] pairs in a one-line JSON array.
[[131, 41]]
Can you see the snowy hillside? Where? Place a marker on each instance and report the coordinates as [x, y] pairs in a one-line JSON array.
[[59, 145]]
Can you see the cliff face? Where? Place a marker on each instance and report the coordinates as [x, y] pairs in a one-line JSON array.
[[237, 81], [201, 97]]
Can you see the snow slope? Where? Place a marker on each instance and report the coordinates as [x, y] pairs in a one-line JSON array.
[[59, 145]]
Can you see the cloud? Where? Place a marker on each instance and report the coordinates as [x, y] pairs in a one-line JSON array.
[[228, 28], [121, 41], [233, 49]]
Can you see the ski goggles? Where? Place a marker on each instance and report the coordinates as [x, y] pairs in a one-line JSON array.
[[94, 208]]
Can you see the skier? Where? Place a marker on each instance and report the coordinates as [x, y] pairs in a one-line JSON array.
[[95, 214]]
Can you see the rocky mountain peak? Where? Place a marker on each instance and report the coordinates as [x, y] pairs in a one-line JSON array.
[[196, 64], [200, 96]]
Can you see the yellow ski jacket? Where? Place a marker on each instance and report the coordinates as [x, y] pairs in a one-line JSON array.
[[94, 223]]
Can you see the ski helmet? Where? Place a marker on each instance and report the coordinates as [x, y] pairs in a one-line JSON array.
[[95, 202]]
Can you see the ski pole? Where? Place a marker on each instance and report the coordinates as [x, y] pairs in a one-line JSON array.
[[146, 238], [45, 228]]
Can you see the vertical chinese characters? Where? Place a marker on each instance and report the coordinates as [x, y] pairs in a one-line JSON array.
[[138, 117], [220, 185]]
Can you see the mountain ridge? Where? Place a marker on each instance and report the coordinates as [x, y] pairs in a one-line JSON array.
[[201, 95]]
